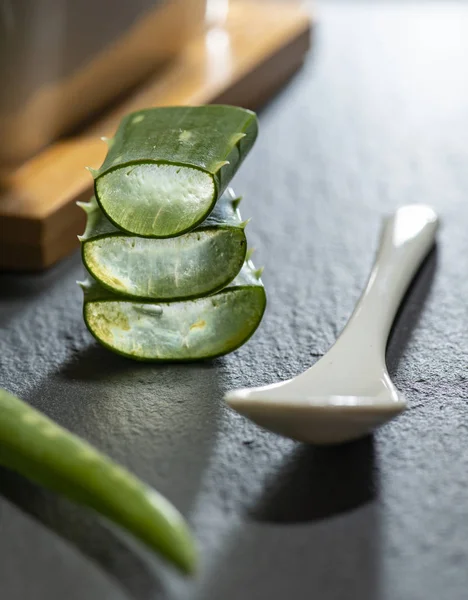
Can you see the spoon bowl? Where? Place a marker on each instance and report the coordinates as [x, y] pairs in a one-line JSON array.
[[317, 419]]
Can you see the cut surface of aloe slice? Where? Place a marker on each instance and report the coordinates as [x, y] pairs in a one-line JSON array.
[[189, 266], [166, 167], [177, 331]]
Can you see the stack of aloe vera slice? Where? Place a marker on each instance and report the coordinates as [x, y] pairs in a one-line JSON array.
[[170, 277]]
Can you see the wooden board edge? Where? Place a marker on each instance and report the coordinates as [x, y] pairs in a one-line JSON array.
[[54, 237]]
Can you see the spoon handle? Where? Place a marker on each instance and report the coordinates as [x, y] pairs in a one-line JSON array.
[[406, 239]]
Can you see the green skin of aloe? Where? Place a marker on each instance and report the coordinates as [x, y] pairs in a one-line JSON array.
[[167, 167], [36, 447], [177, 331], [192, 265], [173, 298]]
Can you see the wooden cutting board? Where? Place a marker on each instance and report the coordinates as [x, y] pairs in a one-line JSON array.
[[243, 62]]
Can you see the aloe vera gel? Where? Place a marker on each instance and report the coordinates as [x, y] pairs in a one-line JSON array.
[[198, 263], [165, 245]]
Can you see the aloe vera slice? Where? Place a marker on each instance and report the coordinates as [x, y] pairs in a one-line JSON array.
[[177, 331], [195, 264], [36, 447], [167, 167]]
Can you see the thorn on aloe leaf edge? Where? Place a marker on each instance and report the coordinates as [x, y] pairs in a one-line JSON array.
[[244, 224], [94, 172], [236, 202], [108, 141], [237, 137], [249, 254], [258, 272], [86, 206], [219, 165]]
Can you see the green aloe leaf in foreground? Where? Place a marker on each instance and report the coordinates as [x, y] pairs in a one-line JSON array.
[[36, 447], [177, 331], [167, 167], [189, 266]]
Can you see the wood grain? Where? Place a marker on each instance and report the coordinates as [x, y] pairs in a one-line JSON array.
[[243, 62]]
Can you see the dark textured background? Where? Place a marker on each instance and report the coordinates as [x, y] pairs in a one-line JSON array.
[[378, 117]]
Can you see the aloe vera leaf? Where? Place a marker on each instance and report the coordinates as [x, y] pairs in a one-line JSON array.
[[177, 331], [166, 167], [36, 447], [195, 264]]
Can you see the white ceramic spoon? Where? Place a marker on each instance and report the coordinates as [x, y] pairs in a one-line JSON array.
[[348, 392]]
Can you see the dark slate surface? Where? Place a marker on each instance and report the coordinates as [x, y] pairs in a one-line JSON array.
[[378, 117]]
